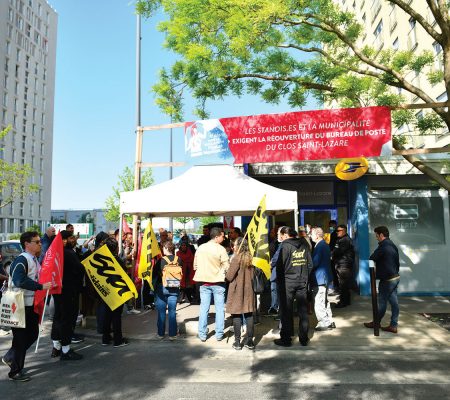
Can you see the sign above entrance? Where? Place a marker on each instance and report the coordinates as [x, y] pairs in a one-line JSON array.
[[296, 136], [351, 168]]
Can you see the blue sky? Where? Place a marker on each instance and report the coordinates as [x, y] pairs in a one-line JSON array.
[[95, 101]]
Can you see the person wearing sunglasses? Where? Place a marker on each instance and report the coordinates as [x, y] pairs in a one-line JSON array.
[[24, 275]]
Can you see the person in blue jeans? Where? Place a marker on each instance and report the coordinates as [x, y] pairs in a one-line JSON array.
[[211, 263], [387, 264], [166, 298]]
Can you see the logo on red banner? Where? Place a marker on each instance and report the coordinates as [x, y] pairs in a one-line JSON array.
[[296, 136]]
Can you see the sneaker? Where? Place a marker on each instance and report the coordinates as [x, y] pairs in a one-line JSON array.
[[160, 337], [237, 345], [123, 343], [6, 362], [106, 343], [219, 339], [283, 343], [77, 339], [271, 312], [55, 353], [203, 339], [250, 345], [70, 356], [277, 318], [20, 377], [332, 326], [133, 311], [369, 324], [172, 338], [321, 328]]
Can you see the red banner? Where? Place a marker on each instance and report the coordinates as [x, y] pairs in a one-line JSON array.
[[296, 136], [51, 271]]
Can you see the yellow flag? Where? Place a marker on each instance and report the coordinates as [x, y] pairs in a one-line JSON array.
[[149, 249], [258, 238], [109, 279]]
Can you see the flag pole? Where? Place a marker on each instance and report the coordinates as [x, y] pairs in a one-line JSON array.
[[142, 295], [42, 321]]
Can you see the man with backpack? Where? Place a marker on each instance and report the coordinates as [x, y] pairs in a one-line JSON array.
[[211, 263], [294, 265]]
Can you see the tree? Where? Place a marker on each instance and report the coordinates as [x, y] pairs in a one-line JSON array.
[[184, 220], [294, 49], [208, 220], [14, 179], [125, 184]]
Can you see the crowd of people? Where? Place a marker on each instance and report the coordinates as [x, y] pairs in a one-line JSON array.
[[309, 266]]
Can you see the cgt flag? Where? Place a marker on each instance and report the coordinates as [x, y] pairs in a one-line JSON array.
[[51, 271], [109, 279], [258, 238], [149, 250]]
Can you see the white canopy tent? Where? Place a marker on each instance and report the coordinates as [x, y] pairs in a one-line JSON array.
[[208, 190]]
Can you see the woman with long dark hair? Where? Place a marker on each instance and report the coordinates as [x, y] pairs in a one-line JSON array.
[[241, 299]]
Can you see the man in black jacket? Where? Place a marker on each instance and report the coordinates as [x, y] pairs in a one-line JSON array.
[[343, 256], [293, 268], [66, 303], [387, 263]]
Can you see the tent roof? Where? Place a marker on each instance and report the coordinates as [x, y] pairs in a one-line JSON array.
[[207, 190]]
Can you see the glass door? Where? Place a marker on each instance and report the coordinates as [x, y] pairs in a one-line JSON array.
[[317, 217]]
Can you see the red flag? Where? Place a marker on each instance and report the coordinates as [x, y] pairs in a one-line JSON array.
[[125, 228], [51, 271]]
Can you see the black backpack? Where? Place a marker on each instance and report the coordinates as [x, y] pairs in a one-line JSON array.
[[259, 281]]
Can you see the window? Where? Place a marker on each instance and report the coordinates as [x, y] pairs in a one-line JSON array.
[[23, 157], [4, 116], [5, 81], [13, 155], [15, 105], [6, 64], [24, 126], [41, 167], [27, 62], [412, 35], [8, 47], [16, 88], [5, 99], [24, 142], [11, 15], [10, 31], [42, 149], [439, 59], [28, 30], [17, 70]]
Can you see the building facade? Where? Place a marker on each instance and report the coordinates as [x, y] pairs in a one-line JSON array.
[[94, 216], [28, 32], [393, 192]]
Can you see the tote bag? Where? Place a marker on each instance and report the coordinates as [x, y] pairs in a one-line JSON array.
[[12, 308]]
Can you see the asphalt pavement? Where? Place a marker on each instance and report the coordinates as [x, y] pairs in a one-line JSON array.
[[345, 363]]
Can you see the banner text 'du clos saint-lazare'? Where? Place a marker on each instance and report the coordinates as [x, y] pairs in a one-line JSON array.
[[296, 136]]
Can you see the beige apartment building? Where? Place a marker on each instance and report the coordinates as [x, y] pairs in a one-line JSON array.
[[28, 30], [388, 26]]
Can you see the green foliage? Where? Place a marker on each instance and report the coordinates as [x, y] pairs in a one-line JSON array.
[[283, 49], [14, 179], [124, 184], [206, 221], [33, 228], [184, 220]]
